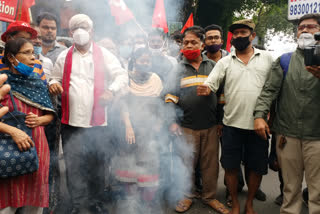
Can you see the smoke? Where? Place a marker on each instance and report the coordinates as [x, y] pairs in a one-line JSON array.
[[162, 160], [159, 163], [142, 10]]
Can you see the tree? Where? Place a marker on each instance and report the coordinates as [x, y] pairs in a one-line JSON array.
[[217, 12], [267, 15]]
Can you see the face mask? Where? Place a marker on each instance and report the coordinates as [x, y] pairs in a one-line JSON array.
[[213, 48], [81, 37], [125, 51], [37, 50], [143, 68], [241, 43], [23, 68], [156, 52], [191, 54], [306, 40]]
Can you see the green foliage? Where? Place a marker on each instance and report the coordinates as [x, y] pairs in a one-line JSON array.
[[216, 12], [268, 15]]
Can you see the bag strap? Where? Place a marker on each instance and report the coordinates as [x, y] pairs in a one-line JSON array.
[[13, 102], [284, 63], [14, 106]]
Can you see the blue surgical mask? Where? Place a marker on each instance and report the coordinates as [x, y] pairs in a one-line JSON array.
[[37, 50], [23, 68]]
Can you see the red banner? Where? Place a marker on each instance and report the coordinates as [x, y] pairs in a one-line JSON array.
[[8, 10], [189, 23], [159, 19], [228, 47], [120, 11]]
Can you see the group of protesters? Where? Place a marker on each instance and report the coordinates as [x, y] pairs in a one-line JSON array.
[[121, 107]]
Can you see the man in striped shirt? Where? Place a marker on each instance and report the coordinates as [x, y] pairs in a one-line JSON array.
[[198, 124]]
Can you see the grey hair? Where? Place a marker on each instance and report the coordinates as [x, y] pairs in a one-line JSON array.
[[79, 19]]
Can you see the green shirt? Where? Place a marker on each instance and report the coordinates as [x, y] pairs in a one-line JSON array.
[[298, 100]]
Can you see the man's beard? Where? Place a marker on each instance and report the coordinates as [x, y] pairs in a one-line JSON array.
[[47, 43]]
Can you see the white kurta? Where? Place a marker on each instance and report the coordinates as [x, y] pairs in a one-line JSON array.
[[81, 91]]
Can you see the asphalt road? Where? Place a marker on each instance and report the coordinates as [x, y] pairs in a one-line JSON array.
[[270, 185]]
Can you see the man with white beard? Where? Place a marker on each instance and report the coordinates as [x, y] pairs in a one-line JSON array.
[[295, 89]]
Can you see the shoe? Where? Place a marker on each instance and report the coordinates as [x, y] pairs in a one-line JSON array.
[[218, 207], [305, 196], [260, 195], [279, 200], [184, 205], [98, 209]]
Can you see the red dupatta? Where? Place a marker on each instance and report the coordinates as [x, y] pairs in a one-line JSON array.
[[98, 111]]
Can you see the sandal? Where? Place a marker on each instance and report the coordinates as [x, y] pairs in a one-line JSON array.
[[218, 207], [184, 205], [229, 201]]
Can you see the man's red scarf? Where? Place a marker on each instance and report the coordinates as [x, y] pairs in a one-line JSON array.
[[98, 111]]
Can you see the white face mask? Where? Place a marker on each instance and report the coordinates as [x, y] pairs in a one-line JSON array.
[[81, 37], [156, 51], [306, 40]]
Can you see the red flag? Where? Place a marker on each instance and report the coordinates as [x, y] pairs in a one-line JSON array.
[[25, 14], [120, 11], [189, 23], [159, 19], [228, 46]]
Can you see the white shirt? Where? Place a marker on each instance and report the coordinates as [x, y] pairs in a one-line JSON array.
[[81, 91], [46, 65], [243, 84]]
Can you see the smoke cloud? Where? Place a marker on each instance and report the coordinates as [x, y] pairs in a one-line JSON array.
[[169, 157]]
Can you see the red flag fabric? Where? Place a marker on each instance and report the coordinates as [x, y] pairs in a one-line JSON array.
[[189, 23], [25, 14], [159, 19], [120, 11], [228, 46]]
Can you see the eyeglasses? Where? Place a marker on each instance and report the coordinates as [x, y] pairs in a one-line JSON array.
[[213, 38], [28, 53], [308, 26]]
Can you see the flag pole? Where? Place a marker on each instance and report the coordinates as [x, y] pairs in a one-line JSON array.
[[139, 26]]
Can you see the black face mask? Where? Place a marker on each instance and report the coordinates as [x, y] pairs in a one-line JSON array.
[[213, 48], [142, 73], [241, 43]]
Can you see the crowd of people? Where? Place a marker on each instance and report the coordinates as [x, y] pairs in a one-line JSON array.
[[145, 117]]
